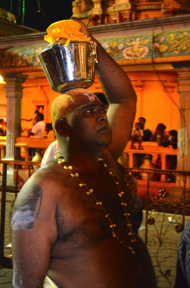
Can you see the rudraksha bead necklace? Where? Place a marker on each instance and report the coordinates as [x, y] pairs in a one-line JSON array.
[[90, 192]]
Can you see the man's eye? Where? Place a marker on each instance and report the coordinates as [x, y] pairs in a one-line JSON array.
[[104, 110], [90, 111]]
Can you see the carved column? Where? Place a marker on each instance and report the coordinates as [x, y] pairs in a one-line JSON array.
[[183, 79], [171, 89], [13, 88], [138, 85]]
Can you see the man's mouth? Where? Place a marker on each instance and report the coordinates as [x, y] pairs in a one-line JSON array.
[[104, 129]]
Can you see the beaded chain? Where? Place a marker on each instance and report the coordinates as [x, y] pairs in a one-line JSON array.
[[61, 160]]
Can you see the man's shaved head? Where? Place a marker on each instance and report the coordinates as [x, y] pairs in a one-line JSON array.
[[69, 101]]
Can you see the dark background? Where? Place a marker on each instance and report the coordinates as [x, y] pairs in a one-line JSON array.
[[50, 11]]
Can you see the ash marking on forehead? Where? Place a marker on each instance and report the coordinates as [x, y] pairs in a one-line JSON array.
[[71, 100], [77, 93], [90, 95]]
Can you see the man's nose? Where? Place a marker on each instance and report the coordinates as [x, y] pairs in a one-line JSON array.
[[101, 116]]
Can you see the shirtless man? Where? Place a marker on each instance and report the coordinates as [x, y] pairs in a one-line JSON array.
[[71, 219]]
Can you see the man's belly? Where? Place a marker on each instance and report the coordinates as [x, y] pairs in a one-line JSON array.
[[107, 265]]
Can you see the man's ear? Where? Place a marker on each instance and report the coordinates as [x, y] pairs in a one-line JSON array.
[[61, 126]]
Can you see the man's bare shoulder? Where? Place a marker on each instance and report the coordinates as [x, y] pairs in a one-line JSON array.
[[51, 172], [48, 180]]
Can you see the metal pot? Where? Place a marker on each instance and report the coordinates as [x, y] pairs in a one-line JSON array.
[[69, 67]]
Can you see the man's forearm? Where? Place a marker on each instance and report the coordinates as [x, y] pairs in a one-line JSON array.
[[113, 79]]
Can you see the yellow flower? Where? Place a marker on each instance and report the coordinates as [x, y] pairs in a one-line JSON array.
[[163, 48], [29, 60], [113, 44], [67, 29]]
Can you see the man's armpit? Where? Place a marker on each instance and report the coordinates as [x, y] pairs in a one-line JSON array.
[[26, 210]]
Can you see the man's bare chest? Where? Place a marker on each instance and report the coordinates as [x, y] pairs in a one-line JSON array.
[[90, 206]]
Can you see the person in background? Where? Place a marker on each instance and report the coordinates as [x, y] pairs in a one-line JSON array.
[[37, 131], [36, 112], [160, 135], [31, 119], [28, 127], [49, 132], [147, 134], [38, 128], [2, 127], [183, 260], [171, 160], [137, 136], [171, 140]]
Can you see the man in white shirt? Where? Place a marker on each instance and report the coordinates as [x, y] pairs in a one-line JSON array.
[[50, 152], [38, 128]]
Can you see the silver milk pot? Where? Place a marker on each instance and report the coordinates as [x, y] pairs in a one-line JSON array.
[[69, 67]]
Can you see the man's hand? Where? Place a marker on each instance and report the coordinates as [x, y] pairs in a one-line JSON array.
[[30, 133], [84, 28]]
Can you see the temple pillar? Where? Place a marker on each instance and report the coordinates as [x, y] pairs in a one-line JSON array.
[[13, 88], [183, 160], [138, 85]]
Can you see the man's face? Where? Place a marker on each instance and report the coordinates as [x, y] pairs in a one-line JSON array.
[[160, 130], [86, 118], [89, 125], [36, 118], [137, 126], [47, 129], [142, 123]]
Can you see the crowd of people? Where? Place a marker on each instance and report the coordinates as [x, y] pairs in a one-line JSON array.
[[163, 138]]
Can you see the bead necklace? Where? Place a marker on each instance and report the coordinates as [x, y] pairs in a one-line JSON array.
[[89, 192]]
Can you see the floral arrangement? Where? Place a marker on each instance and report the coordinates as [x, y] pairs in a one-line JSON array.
[[68, 30]]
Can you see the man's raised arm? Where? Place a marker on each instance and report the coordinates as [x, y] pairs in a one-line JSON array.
[[121, 95], [122, 98]]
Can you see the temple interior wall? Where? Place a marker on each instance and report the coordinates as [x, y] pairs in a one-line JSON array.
[[153, 102]]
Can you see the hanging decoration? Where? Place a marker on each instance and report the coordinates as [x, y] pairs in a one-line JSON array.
[[18, 9], [23, 11], [38, 1], [11, 6]]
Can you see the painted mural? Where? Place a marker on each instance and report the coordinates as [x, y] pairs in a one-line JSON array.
[[134, 47], [18, 57], [166, 44]]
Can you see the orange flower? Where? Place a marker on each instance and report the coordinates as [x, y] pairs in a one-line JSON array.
[[66, 29]]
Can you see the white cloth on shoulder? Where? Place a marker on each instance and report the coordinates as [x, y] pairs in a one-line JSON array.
[[50, 152], [48, 283]]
